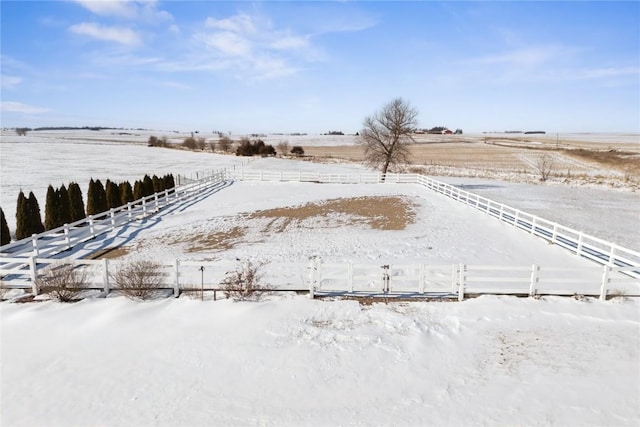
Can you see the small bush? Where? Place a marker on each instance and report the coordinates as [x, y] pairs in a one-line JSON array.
[[225, 143], [245, 282], [139, 279], [248, 148], [63, 282], [297, 150], [283, 147], [22, 131], [190, 143], [544, 166]]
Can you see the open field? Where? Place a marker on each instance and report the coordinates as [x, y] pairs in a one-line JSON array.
[[288, 360]]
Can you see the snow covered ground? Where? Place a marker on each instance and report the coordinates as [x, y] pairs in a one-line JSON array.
[[288, 360], [291, 361]]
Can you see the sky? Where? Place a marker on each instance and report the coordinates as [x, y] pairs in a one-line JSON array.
[[314, 67]]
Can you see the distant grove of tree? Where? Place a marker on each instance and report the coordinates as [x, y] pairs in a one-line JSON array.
[[65, 205]]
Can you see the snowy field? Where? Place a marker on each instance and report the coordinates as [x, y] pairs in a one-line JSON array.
[[288, 360]]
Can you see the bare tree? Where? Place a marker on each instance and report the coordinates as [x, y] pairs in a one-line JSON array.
[[544, 166], [387, 133], [283, 148]]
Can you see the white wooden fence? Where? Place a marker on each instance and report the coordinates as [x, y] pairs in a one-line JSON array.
[[581, 244], [619, 271], [52, 242], [327, 279]]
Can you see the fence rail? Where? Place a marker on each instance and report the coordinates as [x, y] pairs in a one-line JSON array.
[[318, 278], [57, 240], [619, 271], [581, 244]]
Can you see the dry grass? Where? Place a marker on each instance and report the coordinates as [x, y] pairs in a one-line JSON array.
[[380, 213], [112, 253], [625, 161], [218, 241], [499, 154]]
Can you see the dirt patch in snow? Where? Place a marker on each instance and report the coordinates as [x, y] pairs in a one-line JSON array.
[[112, 253], [379, 213], [218, 241], [389, 213]]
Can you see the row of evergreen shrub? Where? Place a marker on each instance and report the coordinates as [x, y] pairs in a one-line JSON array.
[[64, 206]]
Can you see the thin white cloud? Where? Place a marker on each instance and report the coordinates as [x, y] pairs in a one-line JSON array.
[[121, 8], [254, 47], [599, 73], [228, 43], [524, 57], [122, 35], [145, 10], [19, 107], [240, 23], [290, 43], [10, 82]]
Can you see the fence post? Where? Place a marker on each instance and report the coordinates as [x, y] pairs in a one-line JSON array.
[[461, 279], [454, 278], [144, 207], [105, 276], [350, 276], [176, 284], [515, 218], [34, 242], [533, 225], [67, 238], [612, 255], [34, 275], [312, 277], [113, 219], [579, 247], [155, 198], [535, 270], [605, 282], [92, 228], [421, 280], [554, 236]]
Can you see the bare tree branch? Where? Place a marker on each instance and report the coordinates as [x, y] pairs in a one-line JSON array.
[[387, 133]]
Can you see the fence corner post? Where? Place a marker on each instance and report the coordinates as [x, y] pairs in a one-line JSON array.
[[34, 275], [176, 283], [105, 276]]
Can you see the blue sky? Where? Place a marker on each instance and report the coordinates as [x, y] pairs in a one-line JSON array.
[[312, 67]]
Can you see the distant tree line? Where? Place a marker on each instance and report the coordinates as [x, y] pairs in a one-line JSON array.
[[65, 205]]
